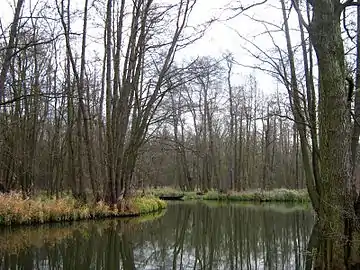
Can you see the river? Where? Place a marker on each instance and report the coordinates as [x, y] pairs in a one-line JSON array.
[[188, 235]]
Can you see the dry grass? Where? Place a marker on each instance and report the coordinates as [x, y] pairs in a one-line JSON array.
[[257, 195], [15, 210]]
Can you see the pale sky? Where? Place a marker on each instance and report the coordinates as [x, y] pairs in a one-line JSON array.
[[219, 38], [222, 36]]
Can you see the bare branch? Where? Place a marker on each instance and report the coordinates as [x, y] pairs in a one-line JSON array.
[[296, 6], [242, 9]]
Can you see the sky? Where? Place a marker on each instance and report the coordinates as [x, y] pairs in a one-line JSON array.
[[221, 37]]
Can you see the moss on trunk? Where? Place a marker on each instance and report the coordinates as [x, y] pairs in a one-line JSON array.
[[336, 209]]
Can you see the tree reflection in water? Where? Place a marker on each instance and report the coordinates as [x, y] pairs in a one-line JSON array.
[[188, 236]]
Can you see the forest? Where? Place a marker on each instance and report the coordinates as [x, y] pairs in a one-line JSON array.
[[100, 99], [118, 122]]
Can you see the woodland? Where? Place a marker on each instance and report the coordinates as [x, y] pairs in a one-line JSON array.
[[96, 102]]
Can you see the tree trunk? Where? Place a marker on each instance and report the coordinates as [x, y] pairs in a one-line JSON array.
[[299, 115], [10, 49], [336, 204]]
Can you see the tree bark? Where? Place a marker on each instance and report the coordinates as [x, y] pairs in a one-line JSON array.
[[336, 210]]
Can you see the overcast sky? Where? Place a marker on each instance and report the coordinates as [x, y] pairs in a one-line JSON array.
[[220, 38], [223, 36]]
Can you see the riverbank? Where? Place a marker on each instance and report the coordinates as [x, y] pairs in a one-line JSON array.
[[275, 195], [15, 211]]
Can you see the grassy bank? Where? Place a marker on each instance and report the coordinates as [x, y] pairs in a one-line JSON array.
[[275, 195], [15, 210]]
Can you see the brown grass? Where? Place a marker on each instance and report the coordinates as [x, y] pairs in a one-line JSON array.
[[16, 210]]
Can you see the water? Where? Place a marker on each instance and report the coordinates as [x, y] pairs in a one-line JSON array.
[[188, 236]]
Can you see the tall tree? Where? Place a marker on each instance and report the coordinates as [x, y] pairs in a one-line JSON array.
[[335, 211], [10, 48]]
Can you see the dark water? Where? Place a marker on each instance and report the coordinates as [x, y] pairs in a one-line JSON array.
[[187, 236]]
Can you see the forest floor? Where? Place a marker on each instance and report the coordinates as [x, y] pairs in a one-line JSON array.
[[14, 210], [275, 195]]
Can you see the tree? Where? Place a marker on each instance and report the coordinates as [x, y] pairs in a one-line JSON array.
[[10, 48], [327, 154], [335, 210]]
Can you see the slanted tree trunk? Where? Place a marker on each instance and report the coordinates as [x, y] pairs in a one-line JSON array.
[[299, 115], [232, 148], [10, 48]]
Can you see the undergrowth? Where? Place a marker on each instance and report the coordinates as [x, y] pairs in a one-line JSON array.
[[16, 210], [257, 195]]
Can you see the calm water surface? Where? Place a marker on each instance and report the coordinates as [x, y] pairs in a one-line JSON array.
[[187, 236]]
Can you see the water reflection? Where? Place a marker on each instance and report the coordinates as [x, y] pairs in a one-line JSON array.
[[188, 236]]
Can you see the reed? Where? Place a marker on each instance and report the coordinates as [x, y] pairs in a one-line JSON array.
[[16, 210]]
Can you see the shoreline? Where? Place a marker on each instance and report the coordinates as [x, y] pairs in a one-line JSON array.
[[275, 195], [15, 211]]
